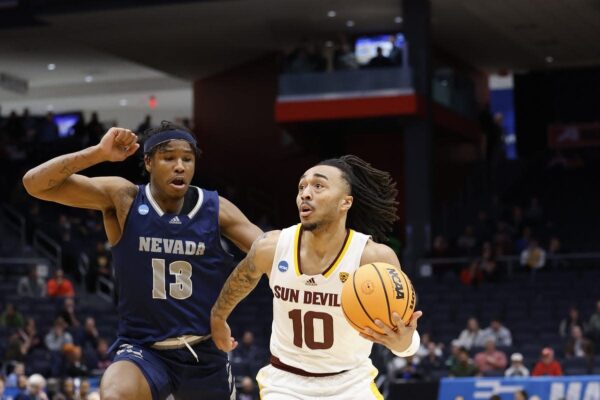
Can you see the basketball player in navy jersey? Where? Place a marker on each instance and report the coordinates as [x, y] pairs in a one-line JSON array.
[[169, 263], [344, 205]]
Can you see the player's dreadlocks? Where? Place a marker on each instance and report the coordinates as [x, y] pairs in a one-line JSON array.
[[374, 208]]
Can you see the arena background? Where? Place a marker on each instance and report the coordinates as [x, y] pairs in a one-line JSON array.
[[486, 113]]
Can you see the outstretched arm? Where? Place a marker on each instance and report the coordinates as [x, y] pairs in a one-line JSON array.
[[57, 179], [235, 226], [240, 283]]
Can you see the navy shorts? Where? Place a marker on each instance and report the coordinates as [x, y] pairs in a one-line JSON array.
[[178, 373]]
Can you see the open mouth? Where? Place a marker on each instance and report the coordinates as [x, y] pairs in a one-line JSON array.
[[305, 210], [178, 183]]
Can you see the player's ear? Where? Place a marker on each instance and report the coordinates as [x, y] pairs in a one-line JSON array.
[[147, 163], [347, 202]]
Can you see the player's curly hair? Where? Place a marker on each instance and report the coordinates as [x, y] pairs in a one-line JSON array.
[[374, 208], [164, 126]]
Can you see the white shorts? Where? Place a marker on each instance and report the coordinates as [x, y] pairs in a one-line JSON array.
[[355, 384]]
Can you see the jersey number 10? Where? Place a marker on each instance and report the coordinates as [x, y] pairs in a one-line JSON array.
[[309, 329], [181, 289]]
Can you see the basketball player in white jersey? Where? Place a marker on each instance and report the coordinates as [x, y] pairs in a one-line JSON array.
[[315, 353]]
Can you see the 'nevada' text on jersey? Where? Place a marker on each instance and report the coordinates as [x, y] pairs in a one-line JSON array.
[[169, 268]]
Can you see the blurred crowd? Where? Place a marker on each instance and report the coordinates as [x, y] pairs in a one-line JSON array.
[[336, 55]]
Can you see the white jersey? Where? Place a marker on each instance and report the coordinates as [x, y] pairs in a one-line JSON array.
[[309, 329]]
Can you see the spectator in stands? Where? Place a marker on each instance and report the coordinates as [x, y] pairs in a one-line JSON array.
[[17, 348], [59, 286], [95, 129], [35, 389], [431, 361], [145, 124], [467, 242], [68, 313], [454, 351], [498, 332], [405, 368], [555, 249], [90, 334], [502, 238], [521, 395], [248, 353], [379, 61], [571, 320], [487, 263], [578, 345], [30, 334], [464, 366], [13, 378], [345, 59], [533, 257], [522, 242], [471, 275], [2, 397], [396, 55], [424, 347], [11, 318], [247, 390], [516, 369], [58, 336], [547, 365], [440, 248], [100, 359], [84, 389], [491, 360], [68, 389], [48, 131], [74, 365], [31, 285], [472, 335], [593, 329]]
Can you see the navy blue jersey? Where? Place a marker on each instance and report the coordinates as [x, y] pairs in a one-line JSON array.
[[169, 268]]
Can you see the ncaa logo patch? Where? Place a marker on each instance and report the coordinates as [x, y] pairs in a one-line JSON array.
[[344, 276], [143, 209], [283, 266]]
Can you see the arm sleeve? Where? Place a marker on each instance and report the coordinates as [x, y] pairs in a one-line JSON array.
[[412, 349]]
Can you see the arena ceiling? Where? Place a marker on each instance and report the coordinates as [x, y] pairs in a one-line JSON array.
[[129, 44]]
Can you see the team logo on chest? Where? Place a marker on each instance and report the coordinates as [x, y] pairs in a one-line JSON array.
[[344, 276], [282, 266], [143, 209]]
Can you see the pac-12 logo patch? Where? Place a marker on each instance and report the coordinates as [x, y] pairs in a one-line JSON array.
[[283, 266], [143, 209], [344, 276]]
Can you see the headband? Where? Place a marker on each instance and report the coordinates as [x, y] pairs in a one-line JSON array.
[[165, 136]]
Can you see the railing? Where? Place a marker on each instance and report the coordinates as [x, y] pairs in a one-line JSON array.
[[48, 247], [344, 83], [15, 221], [105, 289], [426, 266]]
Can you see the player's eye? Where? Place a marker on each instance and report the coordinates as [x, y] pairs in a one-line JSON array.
[[300, 187]]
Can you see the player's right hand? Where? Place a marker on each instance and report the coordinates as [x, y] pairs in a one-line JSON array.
[[118, 144], [221, 335]]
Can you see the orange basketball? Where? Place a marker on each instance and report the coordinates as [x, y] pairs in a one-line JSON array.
[[375, 291]]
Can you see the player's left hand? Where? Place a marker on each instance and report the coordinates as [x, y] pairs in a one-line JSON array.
[[397, 340]]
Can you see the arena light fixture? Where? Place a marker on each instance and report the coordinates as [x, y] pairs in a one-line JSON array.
[[123, 102], [549, 59], [89, 78], [398, 20], [331, 13], [51, 67], [349, 23]]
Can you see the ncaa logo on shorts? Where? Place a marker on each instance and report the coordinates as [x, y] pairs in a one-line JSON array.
[[283, 266], [143, 209]]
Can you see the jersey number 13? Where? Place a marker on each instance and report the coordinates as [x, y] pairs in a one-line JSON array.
[[181, 289]]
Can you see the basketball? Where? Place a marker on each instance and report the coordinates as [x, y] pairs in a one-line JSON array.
[[375, 291]]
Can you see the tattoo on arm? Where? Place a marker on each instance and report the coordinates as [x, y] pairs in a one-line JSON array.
[[240, 283]]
